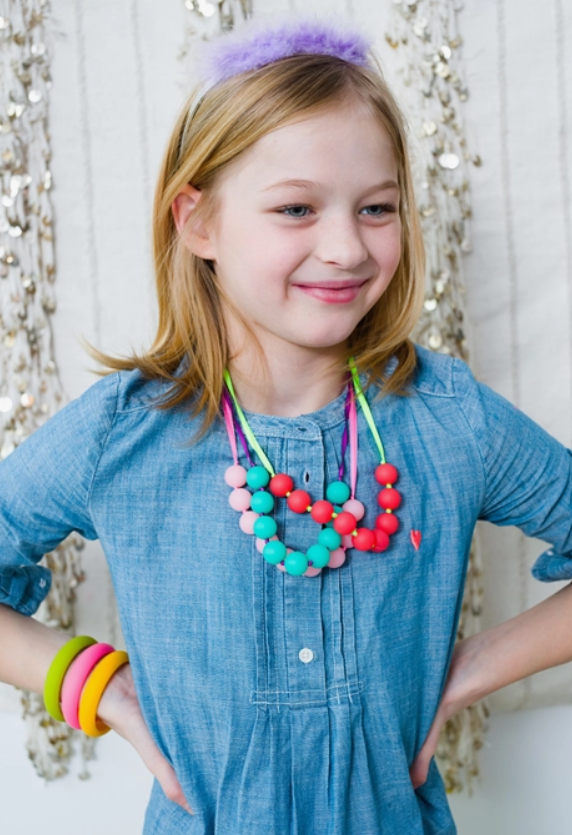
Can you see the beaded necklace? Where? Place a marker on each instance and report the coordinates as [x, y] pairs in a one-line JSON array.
[[338, 514]]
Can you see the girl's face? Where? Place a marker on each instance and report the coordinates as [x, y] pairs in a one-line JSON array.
[[308, 234]]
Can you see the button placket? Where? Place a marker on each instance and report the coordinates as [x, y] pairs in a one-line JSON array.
[[303, 628]]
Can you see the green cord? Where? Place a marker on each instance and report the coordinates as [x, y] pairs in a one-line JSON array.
[[256, 446], [366, 410], [246, 428]]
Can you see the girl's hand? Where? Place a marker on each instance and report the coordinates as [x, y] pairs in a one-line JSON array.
[[456, 695], [119, 708]]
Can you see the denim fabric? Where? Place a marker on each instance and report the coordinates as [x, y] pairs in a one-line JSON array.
[[263, 742]]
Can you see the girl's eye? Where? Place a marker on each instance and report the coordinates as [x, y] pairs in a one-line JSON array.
[[383, 208]]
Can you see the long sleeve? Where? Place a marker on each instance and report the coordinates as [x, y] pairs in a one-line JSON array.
[[527, 473], [44, 491]]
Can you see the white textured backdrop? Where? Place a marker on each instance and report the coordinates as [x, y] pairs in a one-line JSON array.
[[117, 87]]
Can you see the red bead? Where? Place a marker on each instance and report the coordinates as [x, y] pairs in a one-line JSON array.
[[381, 541], [322, 512], [345, 522], [280, 484], [389, 498], [386, 474], [364, 540], [387, 522], [299, 501]]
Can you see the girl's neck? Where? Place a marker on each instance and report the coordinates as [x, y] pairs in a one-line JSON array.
[[298, 380]]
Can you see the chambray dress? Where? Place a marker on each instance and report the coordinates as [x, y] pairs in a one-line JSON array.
[[287, 705]]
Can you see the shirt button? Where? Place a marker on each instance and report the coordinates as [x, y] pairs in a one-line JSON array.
[[305, 655]]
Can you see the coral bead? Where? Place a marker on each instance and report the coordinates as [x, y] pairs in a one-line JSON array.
[[247, 521], [387, 522], [337, 558], [355, 507], [299, 501], [386, 474], [257, 477], [345, 522], [337, 492], [235, 476], [319, 555], [322, 512], [296, 563], [330, 538], [280, 484], [364, 540], [262, 502], [265, 527], [381, 541], [389, 498], [240, 499]]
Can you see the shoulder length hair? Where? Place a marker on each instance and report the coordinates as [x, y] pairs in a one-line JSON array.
[[230, 118]]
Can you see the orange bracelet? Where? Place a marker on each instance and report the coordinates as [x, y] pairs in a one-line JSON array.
[[93, 691]]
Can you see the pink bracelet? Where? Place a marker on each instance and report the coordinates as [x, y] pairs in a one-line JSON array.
[[75, 679]]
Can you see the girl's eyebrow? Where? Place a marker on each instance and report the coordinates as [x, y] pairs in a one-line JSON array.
[[309, 183]]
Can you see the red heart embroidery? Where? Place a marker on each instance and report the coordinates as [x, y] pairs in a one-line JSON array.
[[416, 539]]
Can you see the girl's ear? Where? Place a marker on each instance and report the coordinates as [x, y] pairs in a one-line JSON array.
[[196, 237]]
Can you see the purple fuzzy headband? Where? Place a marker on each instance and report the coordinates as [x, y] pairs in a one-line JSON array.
[[257, 44]]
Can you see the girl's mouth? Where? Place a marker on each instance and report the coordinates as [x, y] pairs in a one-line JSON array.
[[331, 294]]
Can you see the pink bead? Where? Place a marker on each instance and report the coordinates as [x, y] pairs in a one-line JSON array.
[[240, 498], [235, 476], [347, 541], [311, 571], [247, 521], [337, 558], [355, 507]]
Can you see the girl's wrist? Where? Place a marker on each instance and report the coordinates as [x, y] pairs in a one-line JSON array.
[[466, 682], [119, 689]]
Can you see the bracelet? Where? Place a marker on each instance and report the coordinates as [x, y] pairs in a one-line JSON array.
[[93, 691], [57, 671], [75, 679]]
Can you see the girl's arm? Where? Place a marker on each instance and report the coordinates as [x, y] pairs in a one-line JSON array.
[[533, 641], [526, 479], [28, 647]]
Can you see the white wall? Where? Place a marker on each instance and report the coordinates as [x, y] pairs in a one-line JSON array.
[[117, 85]]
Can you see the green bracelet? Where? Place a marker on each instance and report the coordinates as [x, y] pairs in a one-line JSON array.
[[57, 671]]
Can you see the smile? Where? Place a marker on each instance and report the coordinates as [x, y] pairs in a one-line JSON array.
[[334, 293]]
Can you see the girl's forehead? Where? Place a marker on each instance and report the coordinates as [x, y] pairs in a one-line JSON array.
[[309, 147]]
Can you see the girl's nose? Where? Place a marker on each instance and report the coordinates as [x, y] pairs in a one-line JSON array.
[[340, 243]]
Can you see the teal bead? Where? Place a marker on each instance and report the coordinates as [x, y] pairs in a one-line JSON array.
[[296, 563], [257, 477], [262, 502], [330, 539], [319, 554], [337, 492], [265, 527], [274, 552]]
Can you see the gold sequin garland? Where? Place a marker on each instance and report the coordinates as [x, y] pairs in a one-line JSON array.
[[30, 389], [228, 11], [427, 46]]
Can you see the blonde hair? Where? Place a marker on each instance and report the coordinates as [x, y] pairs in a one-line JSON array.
[[230, 118]]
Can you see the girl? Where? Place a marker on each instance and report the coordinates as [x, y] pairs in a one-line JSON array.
[[284, 485]]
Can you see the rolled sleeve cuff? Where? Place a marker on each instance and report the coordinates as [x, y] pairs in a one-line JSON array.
[[551, 566], [23, 588]]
